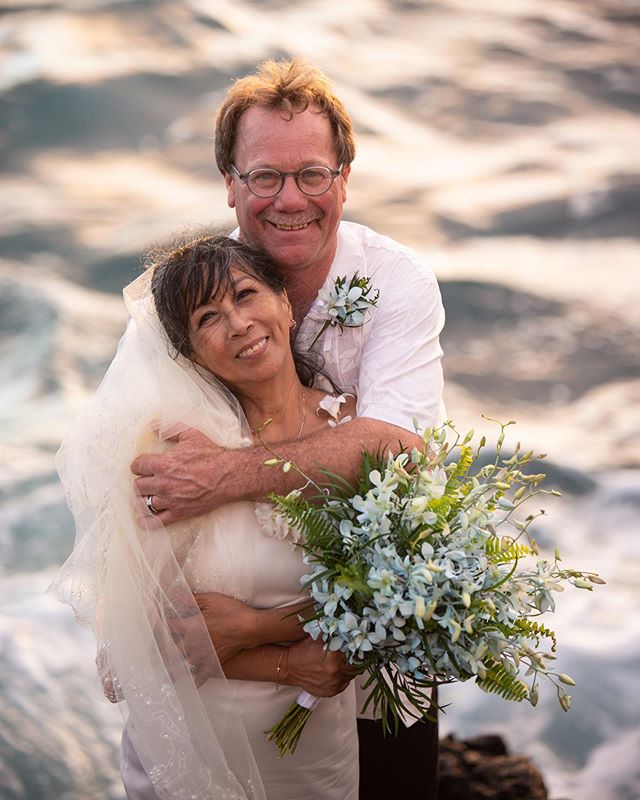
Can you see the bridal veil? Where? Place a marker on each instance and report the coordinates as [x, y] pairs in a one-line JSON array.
[[125, 576]]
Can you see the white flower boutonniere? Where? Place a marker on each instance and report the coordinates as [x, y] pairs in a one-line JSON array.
[[347, 304]]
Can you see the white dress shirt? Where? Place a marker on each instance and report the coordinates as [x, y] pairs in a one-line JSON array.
[[392, 363]]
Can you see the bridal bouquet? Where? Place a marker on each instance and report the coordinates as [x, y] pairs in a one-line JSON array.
[[426, 574]]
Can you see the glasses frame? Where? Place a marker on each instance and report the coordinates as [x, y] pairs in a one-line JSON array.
[[245, 177]]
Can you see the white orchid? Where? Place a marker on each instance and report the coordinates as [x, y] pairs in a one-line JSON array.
[[345, 305]]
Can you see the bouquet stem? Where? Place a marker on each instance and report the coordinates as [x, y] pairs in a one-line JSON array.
[[286, 733]]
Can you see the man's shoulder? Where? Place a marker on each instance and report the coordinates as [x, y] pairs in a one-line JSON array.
[[381, 253]]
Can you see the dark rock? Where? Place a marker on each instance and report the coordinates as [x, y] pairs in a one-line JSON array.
[[482, 769]]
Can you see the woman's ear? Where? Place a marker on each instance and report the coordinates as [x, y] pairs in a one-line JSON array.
[[287, 305]]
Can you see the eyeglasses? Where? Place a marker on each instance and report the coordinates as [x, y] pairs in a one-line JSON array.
[[268, 182]]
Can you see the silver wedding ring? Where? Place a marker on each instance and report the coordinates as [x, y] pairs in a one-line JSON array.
[[149, 503]]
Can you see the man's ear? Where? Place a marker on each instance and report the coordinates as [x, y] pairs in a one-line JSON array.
[[345, 178], [230, 183]]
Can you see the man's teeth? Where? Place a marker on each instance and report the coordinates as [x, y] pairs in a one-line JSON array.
[[282, 227], [248, 351]]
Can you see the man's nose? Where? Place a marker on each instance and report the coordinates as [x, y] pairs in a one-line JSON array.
[[290, 197]]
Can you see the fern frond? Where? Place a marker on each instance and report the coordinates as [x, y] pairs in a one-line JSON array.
[[492, 546], [498, 681], [535, 630], [511, 552], [443, 506], [320, 531], [293, 505], [463, 465]]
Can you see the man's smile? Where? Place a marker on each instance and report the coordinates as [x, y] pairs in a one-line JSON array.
[[292, 222]]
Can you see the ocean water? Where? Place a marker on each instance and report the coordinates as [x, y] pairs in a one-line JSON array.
[[505, 150]]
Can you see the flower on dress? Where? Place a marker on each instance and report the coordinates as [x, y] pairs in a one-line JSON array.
[[274, 523], [331, 404], [346, 304]]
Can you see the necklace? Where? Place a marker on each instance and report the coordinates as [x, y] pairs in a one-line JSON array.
[[304, 415]]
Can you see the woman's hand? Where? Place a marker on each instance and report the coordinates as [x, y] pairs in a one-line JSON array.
[[192, 638], [233, 625], [321, 673]]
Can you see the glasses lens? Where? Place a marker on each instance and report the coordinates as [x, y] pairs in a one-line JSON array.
[[264, 182], [314, 180]]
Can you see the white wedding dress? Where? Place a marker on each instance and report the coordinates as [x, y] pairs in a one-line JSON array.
[[325, 763], [252, 557]]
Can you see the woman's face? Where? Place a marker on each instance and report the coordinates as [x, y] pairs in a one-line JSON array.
[[242, 336]]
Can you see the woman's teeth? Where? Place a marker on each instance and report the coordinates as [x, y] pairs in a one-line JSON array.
[[249, 351]]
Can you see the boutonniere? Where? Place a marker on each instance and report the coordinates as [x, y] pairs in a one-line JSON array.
[[347, 304]]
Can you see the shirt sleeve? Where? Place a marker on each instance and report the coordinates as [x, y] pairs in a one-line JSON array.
[[400, 375]]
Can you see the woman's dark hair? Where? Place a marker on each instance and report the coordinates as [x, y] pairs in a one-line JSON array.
[[190, 271]]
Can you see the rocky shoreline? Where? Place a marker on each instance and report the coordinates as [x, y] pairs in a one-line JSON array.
[[482, 768]]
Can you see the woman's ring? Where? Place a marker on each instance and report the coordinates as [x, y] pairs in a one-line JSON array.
[[149, 503]]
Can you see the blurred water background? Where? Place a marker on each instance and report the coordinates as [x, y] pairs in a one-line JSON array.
[[500, 138]]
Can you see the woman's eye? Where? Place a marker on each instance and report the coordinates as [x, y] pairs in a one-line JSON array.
[[207, 317], [245, 293]]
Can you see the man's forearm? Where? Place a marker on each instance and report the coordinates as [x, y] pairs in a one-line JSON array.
[[337, 450], [197, 476]]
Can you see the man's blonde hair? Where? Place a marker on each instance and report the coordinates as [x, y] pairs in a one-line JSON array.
[[288, 87]]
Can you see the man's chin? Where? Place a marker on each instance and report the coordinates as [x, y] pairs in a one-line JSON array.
[[292, 256]]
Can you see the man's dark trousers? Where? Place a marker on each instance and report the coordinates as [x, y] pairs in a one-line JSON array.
[[395, 768]]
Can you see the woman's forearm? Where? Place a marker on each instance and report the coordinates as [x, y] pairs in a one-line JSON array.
[[234, 626], [273, 625], [305, 664], [263, 663]]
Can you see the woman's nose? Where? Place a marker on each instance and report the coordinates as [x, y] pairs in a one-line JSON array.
[[238, 322]]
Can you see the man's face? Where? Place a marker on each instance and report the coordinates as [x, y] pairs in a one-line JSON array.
[[298, 231]]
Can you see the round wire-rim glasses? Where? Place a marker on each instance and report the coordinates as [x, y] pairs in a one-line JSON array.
[[312, 181]]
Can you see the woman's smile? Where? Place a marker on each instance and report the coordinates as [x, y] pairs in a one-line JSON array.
[[254, 349]]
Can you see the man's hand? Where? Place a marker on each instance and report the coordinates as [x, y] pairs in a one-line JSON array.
[[319, 672], [191, 479]]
